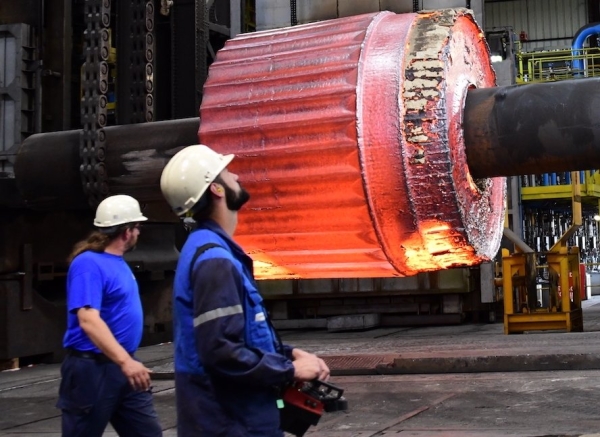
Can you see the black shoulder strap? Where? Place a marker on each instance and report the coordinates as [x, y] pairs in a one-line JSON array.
[[199, 252]]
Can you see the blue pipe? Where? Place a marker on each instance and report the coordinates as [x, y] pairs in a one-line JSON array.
[[578, 41]]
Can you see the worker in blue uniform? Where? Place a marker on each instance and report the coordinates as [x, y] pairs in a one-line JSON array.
[[102, 381], [229, 362]]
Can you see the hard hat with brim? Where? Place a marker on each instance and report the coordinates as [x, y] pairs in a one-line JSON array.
[[118, 210], [188, 174]]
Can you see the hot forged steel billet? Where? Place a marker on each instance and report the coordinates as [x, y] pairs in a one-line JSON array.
[[370, 145], [349, 136]]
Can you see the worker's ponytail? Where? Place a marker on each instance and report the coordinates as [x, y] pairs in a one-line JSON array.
[[97, 241]]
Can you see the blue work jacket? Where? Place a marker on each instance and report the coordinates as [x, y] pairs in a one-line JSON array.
[[228, 361]]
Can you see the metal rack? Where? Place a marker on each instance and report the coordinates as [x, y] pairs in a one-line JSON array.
[[552, 65]]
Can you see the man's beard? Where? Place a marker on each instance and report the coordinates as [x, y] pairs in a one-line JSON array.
[[235, 200]]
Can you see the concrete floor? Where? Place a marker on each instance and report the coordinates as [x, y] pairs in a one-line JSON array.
[[450, 405], [561, 398]]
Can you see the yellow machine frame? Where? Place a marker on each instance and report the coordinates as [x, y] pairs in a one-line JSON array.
[[519, 271]]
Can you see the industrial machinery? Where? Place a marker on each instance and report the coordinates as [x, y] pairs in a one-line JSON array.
[[529, 306], [375, 147], [553, 269]]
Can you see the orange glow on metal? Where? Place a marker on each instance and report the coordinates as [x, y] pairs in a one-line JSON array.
[[347, 135]]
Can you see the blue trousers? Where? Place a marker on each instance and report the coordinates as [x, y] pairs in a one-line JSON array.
[[208, 410], [92, 394]]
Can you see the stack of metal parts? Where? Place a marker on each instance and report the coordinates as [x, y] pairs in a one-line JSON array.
[[547, 179], [542, 228]]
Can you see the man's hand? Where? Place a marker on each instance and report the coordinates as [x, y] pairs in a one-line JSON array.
[[137, 374], [308, 366], [96, 329], [324, 374]]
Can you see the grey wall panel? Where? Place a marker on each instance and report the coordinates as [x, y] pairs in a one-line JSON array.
[[349, 8], [476, 6], [310, 10], [398, 6], [549, 24], [271, 14]]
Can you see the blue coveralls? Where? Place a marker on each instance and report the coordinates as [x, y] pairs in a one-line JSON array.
[[227, 363], [93, 390]]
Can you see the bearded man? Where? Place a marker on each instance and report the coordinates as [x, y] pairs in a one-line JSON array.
[[229, 361]]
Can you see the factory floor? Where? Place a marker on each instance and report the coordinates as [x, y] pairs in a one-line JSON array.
[[451, 381]]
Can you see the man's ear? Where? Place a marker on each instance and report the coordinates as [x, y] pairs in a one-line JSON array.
[[128, 231], [217, 189]]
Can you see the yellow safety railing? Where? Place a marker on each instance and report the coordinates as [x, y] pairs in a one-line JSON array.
[[555, 65]]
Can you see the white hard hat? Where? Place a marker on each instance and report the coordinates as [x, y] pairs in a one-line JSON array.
[[188, 175], [118, 210]]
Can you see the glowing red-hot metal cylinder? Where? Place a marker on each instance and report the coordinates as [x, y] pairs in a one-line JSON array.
[[348, 136]]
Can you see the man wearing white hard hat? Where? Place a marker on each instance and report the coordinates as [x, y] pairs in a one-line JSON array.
[[228, 358], [102, 382]]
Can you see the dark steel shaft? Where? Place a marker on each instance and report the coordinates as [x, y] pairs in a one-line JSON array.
[[533, 129], [47, 165]]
